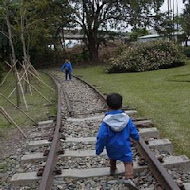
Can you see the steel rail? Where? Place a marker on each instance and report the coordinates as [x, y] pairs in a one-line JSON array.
[[47, 177], [155, 166]]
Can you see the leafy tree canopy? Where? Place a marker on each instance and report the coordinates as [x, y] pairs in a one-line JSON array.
[[93, 16]]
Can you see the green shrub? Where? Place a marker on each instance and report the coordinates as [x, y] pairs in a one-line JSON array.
[[147, 56], [78, 58], [187, 51]]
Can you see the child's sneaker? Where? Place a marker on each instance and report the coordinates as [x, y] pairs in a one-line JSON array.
[[129, 183]]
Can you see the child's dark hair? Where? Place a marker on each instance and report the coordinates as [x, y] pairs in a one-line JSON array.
[[114, 101]]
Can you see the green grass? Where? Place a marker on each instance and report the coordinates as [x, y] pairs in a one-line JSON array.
[[162, 96], [38, 106]]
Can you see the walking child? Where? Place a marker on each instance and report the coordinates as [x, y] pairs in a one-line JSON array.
[[115, 132], [68, 69]]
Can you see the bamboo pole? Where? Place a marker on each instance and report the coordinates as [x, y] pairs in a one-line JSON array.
[[27, 78], [9, 86], [35, 71], [20, 85], [39, 79], [21, 88], [7, 116], [11, 66], [38, 92], [11, 92], [42, 81], [6, 77], [17, 84], [18, 108]]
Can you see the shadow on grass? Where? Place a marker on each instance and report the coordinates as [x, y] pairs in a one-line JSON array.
[[179, 78]]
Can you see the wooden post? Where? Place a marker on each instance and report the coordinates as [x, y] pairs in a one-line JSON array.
[[6, 77], [17, 87], [23, 96], [38, 92], [18, 108], [7, 116]]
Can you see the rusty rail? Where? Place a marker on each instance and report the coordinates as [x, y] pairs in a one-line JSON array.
[[47, 177], [155, 166]]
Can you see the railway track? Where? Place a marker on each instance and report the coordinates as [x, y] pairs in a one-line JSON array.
[[60, 153]]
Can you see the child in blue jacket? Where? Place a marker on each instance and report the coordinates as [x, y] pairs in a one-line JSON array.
[[115, 132], [68, 69]]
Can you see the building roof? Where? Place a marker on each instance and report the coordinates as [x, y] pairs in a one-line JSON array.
[[150, 36], [157, 35]]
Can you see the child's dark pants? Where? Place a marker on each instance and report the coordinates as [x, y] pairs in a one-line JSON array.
[[67, 74], [128, 168]]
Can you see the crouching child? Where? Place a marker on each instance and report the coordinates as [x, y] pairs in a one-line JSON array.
[[115, 132]]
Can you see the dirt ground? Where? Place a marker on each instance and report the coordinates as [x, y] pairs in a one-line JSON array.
[[10, 142]]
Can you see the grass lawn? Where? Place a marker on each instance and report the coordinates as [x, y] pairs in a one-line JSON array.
[[38, 106], [162, 96]]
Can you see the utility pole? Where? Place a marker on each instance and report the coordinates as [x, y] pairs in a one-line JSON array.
[[177, 19]]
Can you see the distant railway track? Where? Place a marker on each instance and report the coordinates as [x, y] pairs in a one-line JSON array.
[[62, 152]]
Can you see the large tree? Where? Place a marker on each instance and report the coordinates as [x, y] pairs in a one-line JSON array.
[[137, 32], [164, 24], [36, 24], [93, 16], [27, 23]]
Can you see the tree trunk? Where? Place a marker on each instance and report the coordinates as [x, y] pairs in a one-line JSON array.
[[92, 48], [62, 40], [13, 61], [26, 59], [17, 87], [186, 44], [17, 91]]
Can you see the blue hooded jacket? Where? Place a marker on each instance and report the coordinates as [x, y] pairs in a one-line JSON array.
[[67, 65], [115, 133]]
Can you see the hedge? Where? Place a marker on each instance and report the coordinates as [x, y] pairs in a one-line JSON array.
[[187, 51], [147, 56]]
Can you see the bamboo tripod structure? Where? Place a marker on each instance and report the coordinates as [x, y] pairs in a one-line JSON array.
[[27, 71]]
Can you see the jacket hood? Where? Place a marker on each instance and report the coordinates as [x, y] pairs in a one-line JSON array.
[[117, 121]]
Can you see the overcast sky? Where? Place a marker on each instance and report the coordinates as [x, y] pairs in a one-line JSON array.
[[165, 8], [180, 6]]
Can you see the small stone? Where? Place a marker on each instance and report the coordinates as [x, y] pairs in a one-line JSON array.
[[170, 172], [13, 157], [179, 181], [59, 187], [143, 173], [149, 179], [112, 181]]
